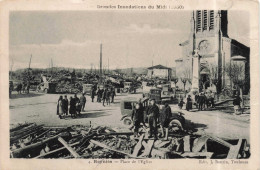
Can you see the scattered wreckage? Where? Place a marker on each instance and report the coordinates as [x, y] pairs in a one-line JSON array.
[[40, 142]]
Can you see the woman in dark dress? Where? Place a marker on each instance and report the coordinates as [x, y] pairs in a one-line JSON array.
[[188, 103], [72, 109]]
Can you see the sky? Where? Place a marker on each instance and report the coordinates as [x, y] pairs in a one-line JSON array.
[[130, 39]]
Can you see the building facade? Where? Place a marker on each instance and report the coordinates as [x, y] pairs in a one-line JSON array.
[[159, 71], [209, 39]]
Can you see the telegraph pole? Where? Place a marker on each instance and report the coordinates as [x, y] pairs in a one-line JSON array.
[[100, 71]]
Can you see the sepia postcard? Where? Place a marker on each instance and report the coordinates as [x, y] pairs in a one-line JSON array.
[[128, 84]]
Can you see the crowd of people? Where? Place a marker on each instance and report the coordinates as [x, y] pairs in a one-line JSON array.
[[205, 100], [74, 106], [154, 116], [202, 101]]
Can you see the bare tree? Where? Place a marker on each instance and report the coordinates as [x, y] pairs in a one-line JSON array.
[[236, 73], [215, 75]]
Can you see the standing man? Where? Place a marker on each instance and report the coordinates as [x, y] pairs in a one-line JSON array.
[[77, 102], [165, 120], [93, 94], [108, 97], [99, 94], [104, 94], [201, 101], [153, 114], [113, 94], [65, 103], [83, 101], [137, 118], [236, 103]]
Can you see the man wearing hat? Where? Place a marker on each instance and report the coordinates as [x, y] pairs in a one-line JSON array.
[[153, 115]]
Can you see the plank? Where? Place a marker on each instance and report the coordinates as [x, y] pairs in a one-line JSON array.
[[41, 135], [56, 150], [148, 148], [163, 143], [70, 149], [199, 143], [186, 141], [220, 141], [31, 147], [138, 146], [234, 150]]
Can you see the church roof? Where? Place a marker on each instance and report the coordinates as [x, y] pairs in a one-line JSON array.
[[158, 67]]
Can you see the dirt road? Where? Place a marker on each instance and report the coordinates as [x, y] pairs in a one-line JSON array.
[[41, 109]]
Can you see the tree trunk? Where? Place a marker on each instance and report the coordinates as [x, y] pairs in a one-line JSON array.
[[242, 100]]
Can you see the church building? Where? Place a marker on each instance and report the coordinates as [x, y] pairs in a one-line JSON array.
[[209, 39]]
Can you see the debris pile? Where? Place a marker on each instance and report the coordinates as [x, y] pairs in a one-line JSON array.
[[66, 87], [37, 141]]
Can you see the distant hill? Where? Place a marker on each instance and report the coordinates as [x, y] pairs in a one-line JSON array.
[[137, 70]]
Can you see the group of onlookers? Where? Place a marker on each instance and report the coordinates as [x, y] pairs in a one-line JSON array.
[[22, 88], [73, 106], [104, 95], [153, 116], [202, 101]]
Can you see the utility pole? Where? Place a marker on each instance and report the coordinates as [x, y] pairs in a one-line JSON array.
[[100, 71]]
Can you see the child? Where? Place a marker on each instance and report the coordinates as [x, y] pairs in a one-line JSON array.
[[181, 103]]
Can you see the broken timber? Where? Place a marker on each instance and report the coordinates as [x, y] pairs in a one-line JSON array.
[[56, 150], [70, 149]]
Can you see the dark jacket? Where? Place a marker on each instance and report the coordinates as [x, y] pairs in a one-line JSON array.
[[65, 104], [165, 114], [104, 94], [153, 111], [82, 99], [137, 115], [93, 93]]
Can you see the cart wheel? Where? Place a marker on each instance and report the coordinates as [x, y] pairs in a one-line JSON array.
[[127, 121], [175, 125]]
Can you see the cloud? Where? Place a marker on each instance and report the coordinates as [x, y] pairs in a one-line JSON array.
[[147, 29]]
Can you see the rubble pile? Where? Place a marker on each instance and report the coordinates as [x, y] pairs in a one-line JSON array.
[[37, 141], [66, 87]]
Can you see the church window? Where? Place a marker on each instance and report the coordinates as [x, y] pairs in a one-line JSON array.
[[205, 19], [211, 20], [199, 21]]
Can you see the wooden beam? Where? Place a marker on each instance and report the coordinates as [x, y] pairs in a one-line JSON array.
[[138, 146], [221, 141], [41, 135], [56, 150], [70, 149], [31, 147], [234, 150], [148, 148]]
